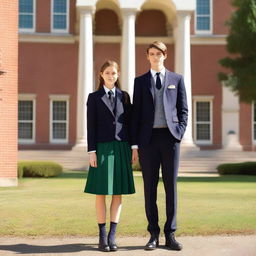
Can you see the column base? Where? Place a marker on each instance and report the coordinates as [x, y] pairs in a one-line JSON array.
[[188, 145], [8, 182], [81, 145], [232, 143]]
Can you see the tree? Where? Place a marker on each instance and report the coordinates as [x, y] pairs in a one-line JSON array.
[[241, 43]]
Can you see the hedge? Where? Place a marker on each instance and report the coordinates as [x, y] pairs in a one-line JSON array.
[[38, 169], [247, 168]]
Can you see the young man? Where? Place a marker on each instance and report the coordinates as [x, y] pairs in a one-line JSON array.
[[159, 121]]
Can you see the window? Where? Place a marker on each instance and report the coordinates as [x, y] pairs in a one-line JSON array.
[[26, 119], [254, 121], [27, 15], [60, 16], [203, 121], [203, 16], [59, 119]]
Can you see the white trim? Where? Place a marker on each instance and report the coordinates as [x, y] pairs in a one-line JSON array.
[[253, 122], [205, 32], [59, 98], [29, 97], [48, 38], [8, 182], [203, 99], [208, 40], [71, 39], [66, 30], [33, 29], [146, 40]]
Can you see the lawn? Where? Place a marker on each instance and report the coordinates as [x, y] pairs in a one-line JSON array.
[[58, 207]]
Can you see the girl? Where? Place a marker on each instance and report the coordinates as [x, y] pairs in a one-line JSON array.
[[110, 172]]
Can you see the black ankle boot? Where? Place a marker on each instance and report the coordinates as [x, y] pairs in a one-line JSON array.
[[103, 242], [111, 237]]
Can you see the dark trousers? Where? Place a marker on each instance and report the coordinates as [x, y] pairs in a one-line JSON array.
[[163, 150]]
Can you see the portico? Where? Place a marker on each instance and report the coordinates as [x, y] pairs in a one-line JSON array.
[[177, 19]]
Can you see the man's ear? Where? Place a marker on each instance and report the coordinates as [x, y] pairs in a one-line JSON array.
[[165, 56], [147, 56]]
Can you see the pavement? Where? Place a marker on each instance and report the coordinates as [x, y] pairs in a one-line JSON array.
[[129, 246]]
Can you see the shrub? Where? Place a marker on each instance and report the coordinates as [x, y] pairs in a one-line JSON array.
[[248, 168], [38, 169], [136, 167]]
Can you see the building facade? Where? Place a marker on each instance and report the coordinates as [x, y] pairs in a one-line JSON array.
[[8, 92], [63, 43]]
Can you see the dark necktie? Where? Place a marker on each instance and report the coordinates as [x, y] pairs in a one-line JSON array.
[[111, 99], [158, 81]]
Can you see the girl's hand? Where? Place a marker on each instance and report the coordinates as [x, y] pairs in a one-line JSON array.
[[93, 159], [134, 155]]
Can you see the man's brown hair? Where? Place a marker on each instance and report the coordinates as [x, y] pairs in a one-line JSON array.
[[159, 46]]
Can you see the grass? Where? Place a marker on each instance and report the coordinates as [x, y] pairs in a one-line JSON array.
[[58, 207]]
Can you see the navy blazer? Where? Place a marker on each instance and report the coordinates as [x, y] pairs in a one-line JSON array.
[[175, 107], [102, 124]]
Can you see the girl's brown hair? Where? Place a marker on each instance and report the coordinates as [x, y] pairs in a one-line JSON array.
[[108, 63]]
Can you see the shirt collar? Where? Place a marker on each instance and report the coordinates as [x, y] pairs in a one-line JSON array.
[[153, 72], [107, 90]]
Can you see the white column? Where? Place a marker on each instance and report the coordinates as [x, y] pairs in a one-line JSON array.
[[85, 72], [183, 64], [128, 50], [230, 120]]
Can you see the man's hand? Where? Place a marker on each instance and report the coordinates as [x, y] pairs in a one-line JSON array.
[[93, 159], [134, 155]]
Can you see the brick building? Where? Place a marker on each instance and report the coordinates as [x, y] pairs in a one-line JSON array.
[[62, 44], [8, 92]]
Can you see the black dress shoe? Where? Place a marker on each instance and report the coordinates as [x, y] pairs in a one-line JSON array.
[[103, 245], [113, 247], [153, 243], [171, 243]]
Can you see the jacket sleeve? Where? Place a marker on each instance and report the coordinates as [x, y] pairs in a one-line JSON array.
[[182, 107], [91, 123], [128, 113], [136, 110]]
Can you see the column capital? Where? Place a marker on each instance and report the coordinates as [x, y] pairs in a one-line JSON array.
[[184, 13], [129, 11], [85, 8]]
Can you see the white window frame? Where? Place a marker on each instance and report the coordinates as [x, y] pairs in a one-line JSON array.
[[205, 32], [59, 98], [253, 123], [203, 99], [66, 30], [29, 97], [33, 29]]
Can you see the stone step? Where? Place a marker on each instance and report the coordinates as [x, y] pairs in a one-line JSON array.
[[190, 161]]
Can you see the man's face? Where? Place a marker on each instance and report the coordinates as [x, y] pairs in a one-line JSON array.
[[156, 57]]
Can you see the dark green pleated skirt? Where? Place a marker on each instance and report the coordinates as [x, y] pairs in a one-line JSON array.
[[113, 176]]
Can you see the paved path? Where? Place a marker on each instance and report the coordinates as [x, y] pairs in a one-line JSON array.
[[130, 246]]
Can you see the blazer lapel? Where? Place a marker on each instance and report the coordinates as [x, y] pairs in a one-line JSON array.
[[119, 104], [169, 94], [150, 82], [106, 101], [119, 112]]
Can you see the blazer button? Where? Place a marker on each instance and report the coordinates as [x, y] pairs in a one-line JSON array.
[[114, 123]]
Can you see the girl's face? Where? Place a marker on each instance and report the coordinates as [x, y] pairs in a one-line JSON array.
[[109, 76]]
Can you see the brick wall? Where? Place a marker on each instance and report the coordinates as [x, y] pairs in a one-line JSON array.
[[8, 92]]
